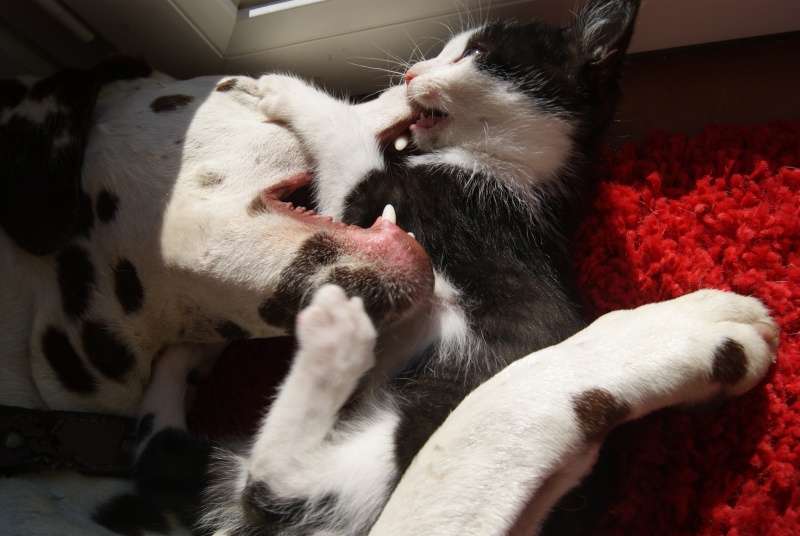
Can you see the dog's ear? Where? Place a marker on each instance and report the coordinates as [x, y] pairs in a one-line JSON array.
[[43, 129]]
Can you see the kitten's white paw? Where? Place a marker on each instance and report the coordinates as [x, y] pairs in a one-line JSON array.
[[335, 335], [280, 95]]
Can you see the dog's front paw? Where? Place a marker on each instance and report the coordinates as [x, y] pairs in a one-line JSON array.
[[336, 334], [690, 349], [740, 337], [280, 96]]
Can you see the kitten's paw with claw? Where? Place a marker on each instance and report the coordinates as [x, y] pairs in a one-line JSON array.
[[335, 335], [281, 95]]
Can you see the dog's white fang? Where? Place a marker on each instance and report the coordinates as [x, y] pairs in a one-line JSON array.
[[389, 214]]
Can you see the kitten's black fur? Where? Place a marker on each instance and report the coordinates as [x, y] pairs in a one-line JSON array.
[[501, 245]]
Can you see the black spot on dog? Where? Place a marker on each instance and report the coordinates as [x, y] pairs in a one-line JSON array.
[[730, 363], [12, 93], [598, 412], [169, 103], [227, 85], [231, 331], [106, 351], [66, 362], [76, 276], [374, 288], [145, 427], [278, 311], [106, 206], [317, 252], [85, 221], [128, 287], [131, 515]]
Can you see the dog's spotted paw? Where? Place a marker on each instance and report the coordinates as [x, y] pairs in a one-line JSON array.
[[692, 348], [335, 335], [282, 96], [741, 338]]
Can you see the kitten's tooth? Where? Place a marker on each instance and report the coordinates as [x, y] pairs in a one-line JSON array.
[[389, 214], [401, 142], [412, 236]]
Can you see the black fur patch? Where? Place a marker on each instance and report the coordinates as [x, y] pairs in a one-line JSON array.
[[40, 195], [232, 331], [130, 515], [145, 427], [106, 207], [85, 222], [76, 277], [730, 363], [318, 251], [128, 287], [106, 351], [169, 103], [598, 412], [12, 92], [372, 287], [227, 85], [172, 471], [262, 506], [66, 362]]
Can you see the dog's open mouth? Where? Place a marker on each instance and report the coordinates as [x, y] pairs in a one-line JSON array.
[[383, 264], [292, 196]]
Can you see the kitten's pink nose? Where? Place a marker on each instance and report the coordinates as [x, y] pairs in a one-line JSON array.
[[410, 75]]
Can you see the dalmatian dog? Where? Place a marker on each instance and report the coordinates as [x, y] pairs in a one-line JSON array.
[[139, 213], [147, 220]]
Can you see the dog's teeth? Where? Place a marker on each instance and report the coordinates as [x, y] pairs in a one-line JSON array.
[[401, 142], [389, 214]]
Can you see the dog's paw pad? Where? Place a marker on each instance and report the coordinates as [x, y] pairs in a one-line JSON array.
[[335, 332], [738, 335]]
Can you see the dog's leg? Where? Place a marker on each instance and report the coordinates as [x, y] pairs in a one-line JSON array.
[[525, 437], [171, 465]]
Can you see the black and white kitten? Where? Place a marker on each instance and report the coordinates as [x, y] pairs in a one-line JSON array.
[[505, 123]]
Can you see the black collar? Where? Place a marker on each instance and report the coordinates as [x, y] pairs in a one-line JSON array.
[[35, 440]]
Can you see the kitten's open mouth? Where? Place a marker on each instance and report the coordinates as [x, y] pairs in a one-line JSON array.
[[400, 134], [427, 120]]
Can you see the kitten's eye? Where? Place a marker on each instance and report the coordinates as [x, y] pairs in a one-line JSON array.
[[474, 50]]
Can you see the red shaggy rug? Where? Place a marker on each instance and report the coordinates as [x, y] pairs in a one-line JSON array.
[[674, 214]]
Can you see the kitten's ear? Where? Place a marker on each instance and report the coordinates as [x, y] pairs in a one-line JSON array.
[[605, 28]]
